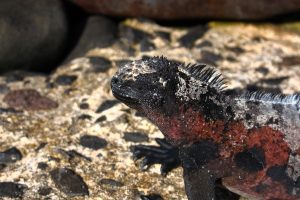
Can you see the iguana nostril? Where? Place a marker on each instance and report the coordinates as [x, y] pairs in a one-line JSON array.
[[114, 80]]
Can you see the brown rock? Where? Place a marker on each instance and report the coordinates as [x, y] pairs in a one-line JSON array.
[[29, 99], [188, 9]]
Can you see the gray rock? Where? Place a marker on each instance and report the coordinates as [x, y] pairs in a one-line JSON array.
[[93, 142], [12, 190], [135, 137], [70, 183], [10, 155], [32, 33]]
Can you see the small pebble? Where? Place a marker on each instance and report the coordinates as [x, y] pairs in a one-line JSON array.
[[100, 64], [10, 155], [84, 106], [151, 197], [93, 142], [42, 165], [65, 79], [106, 105], [135, 137], [111, 182], [44, 191], [11, 189], [101, 119], [85, 117]]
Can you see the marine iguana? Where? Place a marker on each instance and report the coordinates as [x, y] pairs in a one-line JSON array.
[[250, 142]]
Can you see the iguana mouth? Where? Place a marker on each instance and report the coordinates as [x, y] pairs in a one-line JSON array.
[[124, 93]]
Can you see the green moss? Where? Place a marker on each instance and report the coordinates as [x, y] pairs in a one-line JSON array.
[[293, 26], [215, 24]]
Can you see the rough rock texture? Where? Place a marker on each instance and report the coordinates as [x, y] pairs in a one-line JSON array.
[[32, 34], [249, 56], [182, 9]]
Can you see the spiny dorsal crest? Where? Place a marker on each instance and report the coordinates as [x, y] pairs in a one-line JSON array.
[[260, 96], [206, 74]]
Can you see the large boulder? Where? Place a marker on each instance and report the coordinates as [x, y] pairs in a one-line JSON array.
[[98, 32], [183, 9], [32, 33]]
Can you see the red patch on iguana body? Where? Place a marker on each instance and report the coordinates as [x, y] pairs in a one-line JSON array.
[[190, 126], [271, 141]]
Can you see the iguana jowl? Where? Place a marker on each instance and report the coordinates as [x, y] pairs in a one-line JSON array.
[[251, 142]]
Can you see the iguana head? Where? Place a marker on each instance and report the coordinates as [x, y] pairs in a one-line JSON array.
[[157, 83], [173, 96]]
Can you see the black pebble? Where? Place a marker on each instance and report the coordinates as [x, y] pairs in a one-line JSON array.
[[44, 191], [237, 50], [93, 142], [12, 190], [65, 79], [192, 35], [101, 119], [42, 165], [133, 35], [41, 146], [84, 106], [70, 183], [85, 117], [151, 197], [10, 155], [209, 57], [100, 64], [106, 105], [204, 43], [262, 70], [135, 137], [111, 182]]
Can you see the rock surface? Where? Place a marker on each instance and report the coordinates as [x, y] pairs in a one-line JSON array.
[[70, 183], [183, 9], [32, 34], [10, 189], [249, 56]]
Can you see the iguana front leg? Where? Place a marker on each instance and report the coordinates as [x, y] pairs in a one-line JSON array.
[[164, 154]]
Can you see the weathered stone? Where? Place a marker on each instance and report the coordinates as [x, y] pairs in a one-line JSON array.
[[100, 64], [65, 79], [10, 155], [12, 190], [106, 105], [44, 191], [191, 9], [192, 35], [151, 197], [135, 137], [70, 183], [93, 142], [110, 182], [29, 99]]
